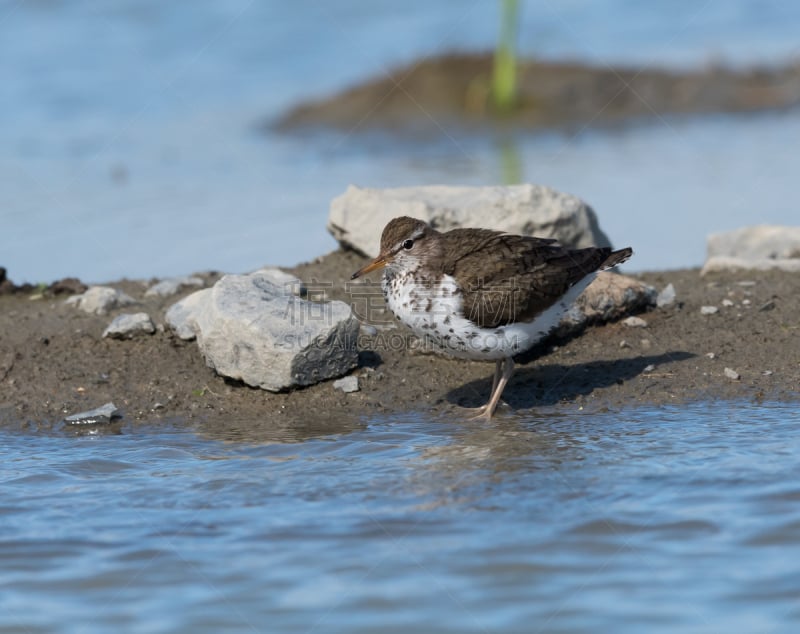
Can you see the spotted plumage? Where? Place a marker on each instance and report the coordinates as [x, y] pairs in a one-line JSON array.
[[481, 294]]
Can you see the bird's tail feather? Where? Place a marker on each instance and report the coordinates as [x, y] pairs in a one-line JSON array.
[[616, 257]]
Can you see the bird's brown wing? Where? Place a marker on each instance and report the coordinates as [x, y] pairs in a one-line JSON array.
[[507, 278]]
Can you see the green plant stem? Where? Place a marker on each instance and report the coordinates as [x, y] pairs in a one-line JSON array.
[[504, 76]]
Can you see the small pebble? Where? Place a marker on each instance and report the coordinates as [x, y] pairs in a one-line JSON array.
[[711, 355], [708, 310], [727, 302], [624, 344], [372, 373], [128, 326], [99, 300], [635, 322], [347, 384], [746, 302], [767, 373], [666, 297], [173, 285], [649, 368], [103, 414], [733, 375]]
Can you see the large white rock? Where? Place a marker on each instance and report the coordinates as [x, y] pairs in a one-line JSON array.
[[756, 243], [762, 247], [250, 329], [358, 216], [180, 316], [727, 263], [287, 281]]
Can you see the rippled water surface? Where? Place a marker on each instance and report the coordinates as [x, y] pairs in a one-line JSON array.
[[651, 519]]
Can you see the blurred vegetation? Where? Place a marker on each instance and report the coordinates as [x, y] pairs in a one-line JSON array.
[[511, 168], [504, 74]]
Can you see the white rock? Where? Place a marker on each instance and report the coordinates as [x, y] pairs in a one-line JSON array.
[[252, 330], [347, 384], [762, 242], [103, 414], [100, 300], [610, 296], [358, 216], [368, 330], [732, 374], [761, 248], [290, 283], [666, 297], [180, 315], [726, 263], [711, 355], [649, 368], [635, 322], [727, 302], [708, 310], [173, 285], [130, 325]]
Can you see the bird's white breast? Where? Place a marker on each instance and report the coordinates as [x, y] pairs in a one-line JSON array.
[[434, 311]]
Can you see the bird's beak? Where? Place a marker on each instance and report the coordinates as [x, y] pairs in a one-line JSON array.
[[377, 263]]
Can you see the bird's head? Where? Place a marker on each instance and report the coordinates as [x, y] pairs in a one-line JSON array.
[[405, 244]]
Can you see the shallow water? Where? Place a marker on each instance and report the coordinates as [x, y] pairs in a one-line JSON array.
[[640, 519], [135, 146]]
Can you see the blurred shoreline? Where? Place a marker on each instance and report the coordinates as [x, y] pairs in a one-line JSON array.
[[454, 89]]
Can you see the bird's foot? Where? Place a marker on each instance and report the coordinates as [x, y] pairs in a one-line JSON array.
[[476, 413]]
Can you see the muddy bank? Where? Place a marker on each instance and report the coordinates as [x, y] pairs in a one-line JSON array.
[[53, 361], [454, 90]]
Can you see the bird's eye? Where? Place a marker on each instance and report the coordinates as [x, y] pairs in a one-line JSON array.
[[408, 244]]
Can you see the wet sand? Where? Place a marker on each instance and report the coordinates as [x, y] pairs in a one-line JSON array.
[[54, 362]]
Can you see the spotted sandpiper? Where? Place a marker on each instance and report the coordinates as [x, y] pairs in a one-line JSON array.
[[481, 294]]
